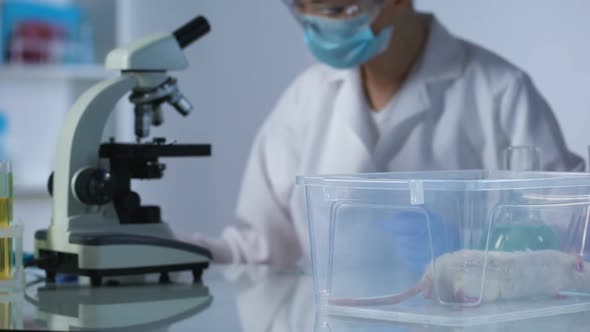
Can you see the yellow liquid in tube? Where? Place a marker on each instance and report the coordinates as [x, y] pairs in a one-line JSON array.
[[5, 316], [6, 244]]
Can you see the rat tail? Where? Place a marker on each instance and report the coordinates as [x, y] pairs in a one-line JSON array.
[[383, 300]]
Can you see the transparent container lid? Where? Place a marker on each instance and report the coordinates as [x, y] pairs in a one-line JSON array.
[[468, 180]]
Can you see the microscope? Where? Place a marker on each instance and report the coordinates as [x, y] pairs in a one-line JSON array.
[[99, 228]]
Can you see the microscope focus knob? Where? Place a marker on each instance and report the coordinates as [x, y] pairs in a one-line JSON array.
[[93, 186], [50, 185]]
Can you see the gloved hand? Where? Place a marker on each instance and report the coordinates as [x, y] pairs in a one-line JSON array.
[[412, 242]]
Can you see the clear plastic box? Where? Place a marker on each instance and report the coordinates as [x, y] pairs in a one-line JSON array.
[[377, 234]]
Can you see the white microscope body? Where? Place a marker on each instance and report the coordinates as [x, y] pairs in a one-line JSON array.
[[98, 228]]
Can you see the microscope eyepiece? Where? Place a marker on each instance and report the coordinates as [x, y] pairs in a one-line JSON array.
[[191, 31]]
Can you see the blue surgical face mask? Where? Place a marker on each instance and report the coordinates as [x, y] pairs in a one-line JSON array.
[[344, 43]]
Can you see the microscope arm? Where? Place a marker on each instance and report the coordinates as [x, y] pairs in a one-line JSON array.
[[79, 141]]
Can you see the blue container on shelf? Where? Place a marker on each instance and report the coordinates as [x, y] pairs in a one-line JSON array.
[[4, 125], [13, 12]]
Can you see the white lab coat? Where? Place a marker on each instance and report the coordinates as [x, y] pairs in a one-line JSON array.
[[460, 107]]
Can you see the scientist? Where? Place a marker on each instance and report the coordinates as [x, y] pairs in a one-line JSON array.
[[395, 91]]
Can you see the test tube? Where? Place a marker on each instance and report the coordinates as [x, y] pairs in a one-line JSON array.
[[522, 158], [5, 315], [6, 195]]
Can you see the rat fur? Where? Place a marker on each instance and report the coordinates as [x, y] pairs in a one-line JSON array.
[[457, 278]]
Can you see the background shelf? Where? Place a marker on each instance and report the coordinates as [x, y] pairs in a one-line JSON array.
[[54, 72]]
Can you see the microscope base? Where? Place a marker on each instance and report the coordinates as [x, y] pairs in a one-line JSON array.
[[103, 255], [97, 276]]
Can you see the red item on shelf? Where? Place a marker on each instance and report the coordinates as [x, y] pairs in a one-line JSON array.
[[36, 42]]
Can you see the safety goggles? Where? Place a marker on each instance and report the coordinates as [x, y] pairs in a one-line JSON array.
[[337, 9]]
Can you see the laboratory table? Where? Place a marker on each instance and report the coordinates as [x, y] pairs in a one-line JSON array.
[[231, 298]]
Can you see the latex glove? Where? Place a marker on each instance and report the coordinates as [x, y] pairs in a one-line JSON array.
[[412, 242]]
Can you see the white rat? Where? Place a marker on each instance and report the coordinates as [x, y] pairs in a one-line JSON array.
[[458, 277]]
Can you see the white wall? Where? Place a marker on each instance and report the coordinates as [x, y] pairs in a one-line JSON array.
[[255, 49], [549, 39]]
